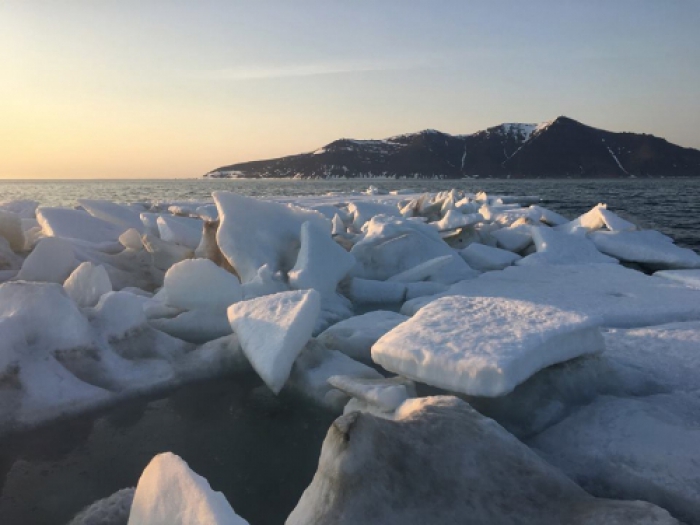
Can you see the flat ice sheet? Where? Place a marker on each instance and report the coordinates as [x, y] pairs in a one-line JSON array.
[[485, 346], [624, 298]]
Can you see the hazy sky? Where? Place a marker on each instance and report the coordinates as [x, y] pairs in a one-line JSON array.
[[97, 88]]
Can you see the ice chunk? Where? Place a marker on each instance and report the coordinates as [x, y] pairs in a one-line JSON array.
[[87, 284], [555, 247], [275, 239], [504, 342], [170, 493], [264, 283], [313, 368], [363, 211], [548, 216], [422, 271], [667, 354], [393, 245], [165, 254], [131, 239], [11, 229], [113, 212], [337, 225], [374, 470], [646, 247], [273, 329], [355, 336], [624, 298], [364, 291], [196, 326], [9, 260], [26, 209], [486, 258], [77, 224], [385, 394], [199, 283], [52, 260], [690, 278], [119, 313], [321, 263], [176, 230], [591, 220], [334, 308], [112, 510], [423, 288], [645, 448], [454, 219], [514, 239]]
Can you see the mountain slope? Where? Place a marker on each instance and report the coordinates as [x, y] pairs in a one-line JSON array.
[[560, 148]]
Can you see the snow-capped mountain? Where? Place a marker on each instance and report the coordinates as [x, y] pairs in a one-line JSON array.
[[559, 148]]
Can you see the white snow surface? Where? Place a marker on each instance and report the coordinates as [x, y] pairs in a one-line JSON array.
[[170, 493], [274, 240], [321, 262], [356, 335], [117, 214], [646, 247], [52, 260], [385, 394], [87, 284], [273, 330], [690, 278], [485, 346], [199, 283], [486, 258], [554, 247], [77, 224]]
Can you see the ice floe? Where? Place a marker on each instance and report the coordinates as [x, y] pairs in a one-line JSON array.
[[485, 346]]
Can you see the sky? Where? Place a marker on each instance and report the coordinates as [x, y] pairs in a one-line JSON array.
[[150, 89]]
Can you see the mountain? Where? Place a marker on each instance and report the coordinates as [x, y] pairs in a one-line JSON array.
[[560, 148]]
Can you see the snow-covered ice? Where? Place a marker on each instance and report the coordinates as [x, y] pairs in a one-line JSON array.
[[438, 461], [199, 283], [554, 247], [355, 336], [321, 262], [690, 278], [77, 224], [646, 247], [52, 260], [486, 258], [624, 298], [274, 240], [485, 346], [273, 329], [87, 284], [170, 493]]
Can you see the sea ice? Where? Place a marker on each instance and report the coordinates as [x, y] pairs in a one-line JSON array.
[[176, 230], [196, 326], [87, 284], [77, 224], [355, 336], [690, 278], [633, 448], [554, 247], [170, 493], [484, 346], [393, 245], [368, 291], [199, 283], [321, 262], [647, 247], [363, 211], [441, 462], [514, 239], [486, 258], [422, 271], [275, 239], [11, 229], [385, 394], [52, 260], [112, 212], [624, 298], [273, 329]]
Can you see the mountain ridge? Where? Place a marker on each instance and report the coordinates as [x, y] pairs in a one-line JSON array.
[[559, 148]]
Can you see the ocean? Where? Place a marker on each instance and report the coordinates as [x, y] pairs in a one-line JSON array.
[[669, 205]]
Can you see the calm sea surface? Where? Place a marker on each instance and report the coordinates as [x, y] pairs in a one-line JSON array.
[[669, 205], [259, 450]]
